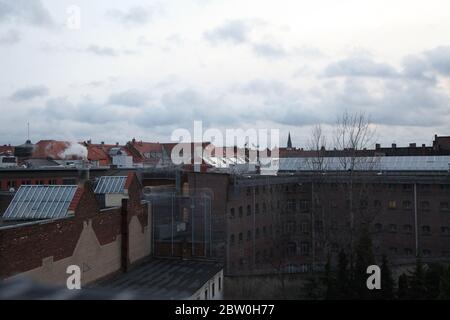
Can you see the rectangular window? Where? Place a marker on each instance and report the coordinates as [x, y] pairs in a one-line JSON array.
[[392, 204]]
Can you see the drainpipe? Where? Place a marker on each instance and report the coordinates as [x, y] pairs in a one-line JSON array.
[[416, 227], [125, 261]]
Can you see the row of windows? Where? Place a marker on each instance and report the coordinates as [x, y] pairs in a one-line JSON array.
[[17, 183], [213, 289], [408, 228], [265, 231]]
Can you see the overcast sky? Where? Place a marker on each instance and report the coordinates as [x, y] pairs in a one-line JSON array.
[[144, 68]]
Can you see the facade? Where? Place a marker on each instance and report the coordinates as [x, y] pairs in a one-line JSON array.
[[291, 222], [101, 241]]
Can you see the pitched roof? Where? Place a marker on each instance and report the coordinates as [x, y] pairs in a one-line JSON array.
[[40, 202], [6, 149], [111, 184]]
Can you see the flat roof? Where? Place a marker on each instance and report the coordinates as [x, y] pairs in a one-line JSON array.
[[164, 278]]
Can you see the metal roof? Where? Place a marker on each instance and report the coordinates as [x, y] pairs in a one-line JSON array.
[[40, 202], [405, 163], [111, 184], [164, 279]]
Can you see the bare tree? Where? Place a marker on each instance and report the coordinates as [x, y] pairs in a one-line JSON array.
[[353, 134]]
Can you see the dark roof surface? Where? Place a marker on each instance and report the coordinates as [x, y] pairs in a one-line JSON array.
[[165, 279]]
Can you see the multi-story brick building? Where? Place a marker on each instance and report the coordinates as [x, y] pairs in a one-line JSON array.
[[291, 222]]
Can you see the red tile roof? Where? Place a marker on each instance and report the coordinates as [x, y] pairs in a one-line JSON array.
[[50, 149], [76, 199], [6, 149]]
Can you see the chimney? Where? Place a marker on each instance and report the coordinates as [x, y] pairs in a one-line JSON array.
[[103, 142], [83, 173], [377, 146], [412, 145], [117, 144], [394, 146]]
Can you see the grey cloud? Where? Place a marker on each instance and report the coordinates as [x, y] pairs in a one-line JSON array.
[[25, 11], [9, 38], [129, 98], [234, 31], [269, 50], [134, 16], [102, 51], [29, 93], [439, 59], [359, 67]]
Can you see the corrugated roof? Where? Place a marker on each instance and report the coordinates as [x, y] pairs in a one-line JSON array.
[[40, 202], [111, 184]]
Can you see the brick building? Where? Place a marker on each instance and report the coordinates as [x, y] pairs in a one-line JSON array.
[[44, 238]]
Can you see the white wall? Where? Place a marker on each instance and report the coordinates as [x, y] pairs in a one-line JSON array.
[[218, 294]]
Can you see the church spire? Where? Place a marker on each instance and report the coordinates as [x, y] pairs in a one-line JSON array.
[[289, 142]]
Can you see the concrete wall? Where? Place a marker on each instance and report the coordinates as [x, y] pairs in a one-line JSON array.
[[95, 260]]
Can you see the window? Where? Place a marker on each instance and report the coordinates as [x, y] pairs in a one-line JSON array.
[[213, 289], [258, 257], [232, 213], [256, 190], [408, 251], [257, 233], [11, 184], [241, 262], [240, 212], [407, 205], [445, 230], [264, 231], [407, 187], [363, 204], [206, 294], [292, 205], [444, 206], [378, 227], [426, 229], [304, 205], [393, 250], [291, 249], [426, 252], [377, 203], [248, 191], [304, 247], [220, 284], [52, 182], [249, 235], [392, 204], [393, 228], [232, 239], [333, 204], [249, 210], [425, 205], [407, 228], [264, 207], [241, 237], [319, 226], [257, 208]]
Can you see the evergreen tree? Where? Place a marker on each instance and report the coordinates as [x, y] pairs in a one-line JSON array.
[[364, 258], [403, 287], [312, 289], [432, 281], [343, 283], [328, 281], [444, 284], [418, 289], [387, 282]]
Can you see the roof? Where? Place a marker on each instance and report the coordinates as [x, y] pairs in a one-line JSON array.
[[406, 163], [40, 202], [6, 149], [165, 279], [50, 149], [111, 184]]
